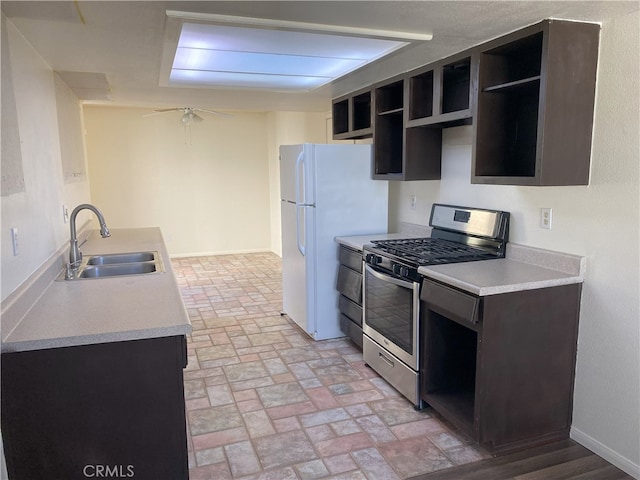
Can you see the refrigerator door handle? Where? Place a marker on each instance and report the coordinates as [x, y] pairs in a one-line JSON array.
[[300, 202], [299, 163], [301, 247]]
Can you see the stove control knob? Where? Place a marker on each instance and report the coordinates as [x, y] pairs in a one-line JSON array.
[[400, 270], [373, 259]]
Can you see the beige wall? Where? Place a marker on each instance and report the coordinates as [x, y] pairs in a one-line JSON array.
[[600, 221], [36, 209], [212, 190], [206, 189]]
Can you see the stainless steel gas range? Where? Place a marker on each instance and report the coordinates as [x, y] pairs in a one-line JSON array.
[[391, 299]]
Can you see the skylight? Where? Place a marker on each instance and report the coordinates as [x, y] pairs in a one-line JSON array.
[[242, 56]]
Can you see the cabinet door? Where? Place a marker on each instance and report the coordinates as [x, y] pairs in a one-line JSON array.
[[69, 412], [350, 258], [350, 284]]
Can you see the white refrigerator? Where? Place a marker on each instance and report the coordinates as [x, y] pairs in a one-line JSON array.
[[326, 191]]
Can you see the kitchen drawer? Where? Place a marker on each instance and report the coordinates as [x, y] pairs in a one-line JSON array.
[[350, 283], [351, 330], [450, 303], [401, 377], [350, 309], [351, 258]]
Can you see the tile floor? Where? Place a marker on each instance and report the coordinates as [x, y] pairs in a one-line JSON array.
[[264, 401]]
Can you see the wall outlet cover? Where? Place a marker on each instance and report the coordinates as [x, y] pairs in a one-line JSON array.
[[545, 218]]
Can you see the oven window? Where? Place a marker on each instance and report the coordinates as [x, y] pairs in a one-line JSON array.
[[389, 311]]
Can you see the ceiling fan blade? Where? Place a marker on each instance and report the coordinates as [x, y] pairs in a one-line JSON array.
[[160, 112], [221, 114], [196, 118]]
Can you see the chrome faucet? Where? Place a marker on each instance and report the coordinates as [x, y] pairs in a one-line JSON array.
[[75, 256]]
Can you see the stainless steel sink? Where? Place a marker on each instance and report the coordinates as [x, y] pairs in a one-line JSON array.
[[121, 258], [117, 269], [116, 265]]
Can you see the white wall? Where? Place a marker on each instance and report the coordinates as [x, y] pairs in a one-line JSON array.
[[288, 128], [601, 222], [36, 210]]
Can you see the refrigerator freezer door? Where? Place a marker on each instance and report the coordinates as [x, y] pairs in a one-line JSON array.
[[288, 157], [297, 179], [297, 176]]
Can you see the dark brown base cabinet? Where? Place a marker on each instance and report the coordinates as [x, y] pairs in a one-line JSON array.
[[349, 285], [113, 410], [501, 367]]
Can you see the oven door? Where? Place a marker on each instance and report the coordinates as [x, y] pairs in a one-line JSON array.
[[391, 312]]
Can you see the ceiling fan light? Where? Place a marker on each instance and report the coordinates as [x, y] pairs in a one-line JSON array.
[[187, 118]]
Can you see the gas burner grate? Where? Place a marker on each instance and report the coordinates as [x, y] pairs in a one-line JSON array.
[[431, 250]]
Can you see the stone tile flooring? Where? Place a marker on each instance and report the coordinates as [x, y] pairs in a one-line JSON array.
[[264, 401]]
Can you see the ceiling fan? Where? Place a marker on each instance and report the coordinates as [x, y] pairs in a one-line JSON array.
[[189, 114]]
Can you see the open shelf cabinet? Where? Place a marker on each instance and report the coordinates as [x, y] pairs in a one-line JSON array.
[[352, 115], [534, 112], [506, 380], [412, 110], [529, 95]]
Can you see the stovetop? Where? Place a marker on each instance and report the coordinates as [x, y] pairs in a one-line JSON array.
[[430, 251], [459, 234]]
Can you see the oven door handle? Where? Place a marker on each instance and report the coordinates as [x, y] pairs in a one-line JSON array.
[[389, 278]]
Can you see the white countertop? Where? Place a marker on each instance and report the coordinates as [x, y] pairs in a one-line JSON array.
[[491, 277], [524, 268], [102, 310]]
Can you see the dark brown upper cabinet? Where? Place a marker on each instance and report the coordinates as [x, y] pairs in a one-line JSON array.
[[529, 95], [442, 93], [352, 116], [411, 111], [388, 128], [533, 118]]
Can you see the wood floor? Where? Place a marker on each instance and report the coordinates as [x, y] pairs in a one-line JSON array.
[[564, 460]]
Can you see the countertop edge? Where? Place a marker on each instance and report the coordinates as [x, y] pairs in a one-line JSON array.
[[62, 342], [499, 289]]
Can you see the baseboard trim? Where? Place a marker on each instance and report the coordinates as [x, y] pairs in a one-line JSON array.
[[605, 452], [214, 254]]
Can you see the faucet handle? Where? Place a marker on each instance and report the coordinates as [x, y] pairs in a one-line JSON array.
[[69, 274]]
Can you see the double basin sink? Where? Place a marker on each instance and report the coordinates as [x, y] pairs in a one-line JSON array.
[[117, 264]]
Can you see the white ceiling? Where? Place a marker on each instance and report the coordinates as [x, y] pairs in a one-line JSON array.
[[123, 41]]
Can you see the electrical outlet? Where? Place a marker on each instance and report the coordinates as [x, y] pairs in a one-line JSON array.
[[14, 241], [545, 218], [65, 214], [414, 200]]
